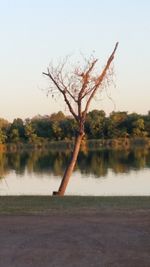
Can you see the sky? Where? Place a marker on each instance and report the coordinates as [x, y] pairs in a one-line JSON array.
[[33, 33]]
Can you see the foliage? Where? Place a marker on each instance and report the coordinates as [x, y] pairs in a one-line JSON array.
[[58, 127], [3, 137]]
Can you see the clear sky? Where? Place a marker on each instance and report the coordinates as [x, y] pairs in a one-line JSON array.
[[33, 32]]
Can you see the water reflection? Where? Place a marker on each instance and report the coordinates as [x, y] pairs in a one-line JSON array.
[[51, 165], [95, 163]]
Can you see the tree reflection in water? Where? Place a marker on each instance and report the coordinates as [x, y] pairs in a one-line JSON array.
[[95, 163]]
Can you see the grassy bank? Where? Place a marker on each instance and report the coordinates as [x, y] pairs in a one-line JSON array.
[[48, 204]]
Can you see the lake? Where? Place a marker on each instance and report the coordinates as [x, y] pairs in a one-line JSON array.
[[98, 173]]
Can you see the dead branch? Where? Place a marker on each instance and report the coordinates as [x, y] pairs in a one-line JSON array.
[[63, 93], [99, 80]]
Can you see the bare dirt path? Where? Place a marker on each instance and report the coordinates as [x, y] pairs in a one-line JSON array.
[[82, 239]]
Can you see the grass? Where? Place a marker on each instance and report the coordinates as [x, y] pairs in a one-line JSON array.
[[48, 204]]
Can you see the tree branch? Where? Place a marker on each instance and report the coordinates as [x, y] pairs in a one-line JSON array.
[[86, 78], [53, 80], [70, 107], [100, 79], [63, 93]]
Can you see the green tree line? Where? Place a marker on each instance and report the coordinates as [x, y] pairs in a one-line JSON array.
[[58, 127]]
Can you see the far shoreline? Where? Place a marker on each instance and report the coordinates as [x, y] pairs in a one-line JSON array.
[[92, 144]]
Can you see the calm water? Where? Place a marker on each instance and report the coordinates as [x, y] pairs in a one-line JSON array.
[[104, 172]]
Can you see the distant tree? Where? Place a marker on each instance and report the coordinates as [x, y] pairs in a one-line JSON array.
[[57, 116], [30, 132], [139, 128], [131, 118], [94, 124], [3, 137], [146, 119], [56, 130], [4, 123], [56, 119], [14, 136], [117, 125], [69, 128], [19, 125], [4, 127], [80, 87], [42, 126]]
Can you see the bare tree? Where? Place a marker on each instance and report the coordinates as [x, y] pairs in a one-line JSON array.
[[78, 88]]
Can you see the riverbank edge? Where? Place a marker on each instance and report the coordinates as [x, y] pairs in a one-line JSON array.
[[26, 205], [93, 144]]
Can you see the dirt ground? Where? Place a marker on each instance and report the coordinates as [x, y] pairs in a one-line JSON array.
[[83, 239]]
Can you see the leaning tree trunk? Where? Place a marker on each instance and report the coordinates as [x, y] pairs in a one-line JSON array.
[[70, 167]]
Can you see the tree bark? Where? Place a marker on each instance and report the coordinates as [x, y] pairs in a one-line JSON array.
[[70, 167]]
